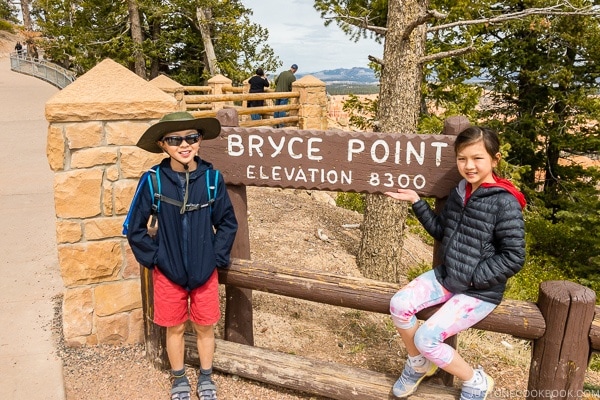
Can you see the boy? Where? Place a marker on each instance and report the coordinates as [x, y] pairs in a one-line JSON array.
[[194, 237]]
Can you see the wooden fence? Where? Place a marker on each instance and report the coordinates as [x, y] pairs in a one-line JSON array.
[[563, 326], [203, 105]]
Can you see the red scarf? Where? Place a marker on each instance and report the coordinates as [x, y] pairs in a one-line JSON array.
[[504, 184]]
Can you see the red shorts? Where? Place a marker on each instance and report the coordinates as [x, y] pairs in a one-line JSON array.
[[173, 305]]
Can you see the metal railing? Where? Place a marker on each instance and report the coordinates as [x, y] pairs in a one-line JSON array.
[[45, 70]]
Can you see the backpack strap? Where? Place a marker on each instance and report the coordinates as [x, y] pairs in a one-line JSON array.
[[133, 201], [154, 182], [158, 197], [212, 190]]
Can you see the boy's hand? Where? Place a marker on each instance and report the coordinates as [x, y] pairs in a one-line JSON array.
[[404, 195]]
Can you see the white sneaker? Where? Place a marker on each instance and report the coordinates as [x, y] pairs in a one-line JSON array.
[[409, 379], [480, 391]]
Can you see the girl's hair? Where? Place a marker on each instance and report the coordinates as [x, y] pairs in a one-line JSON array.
[[474, 134], [260, 72]]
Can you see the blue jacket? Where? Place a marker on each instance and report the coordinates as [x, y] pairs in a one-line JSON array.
[[186, 248], [482, 240]]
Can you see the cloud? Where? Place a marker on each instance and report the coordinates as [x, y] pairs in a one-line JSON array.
[[297, 35]]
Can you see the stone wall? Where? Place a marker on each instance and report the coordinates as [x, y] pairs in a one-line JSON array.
[[94, 124]]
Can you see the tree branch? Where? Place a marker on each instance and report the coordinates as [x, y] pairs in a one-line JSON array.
[[377, 60], [444, 54], [359, 22], [592, 11], [363, 22], [422, 19]]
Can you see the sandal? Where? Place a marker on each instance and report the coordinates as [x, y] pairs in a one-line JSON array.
[[207, 390], [181, 392]]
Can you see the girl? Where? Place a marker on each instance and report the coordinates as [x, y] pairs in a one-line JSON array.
[[482, 237]]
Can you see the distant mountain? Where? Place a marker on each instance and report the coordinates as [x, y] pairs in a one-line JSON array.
[[356, 75]]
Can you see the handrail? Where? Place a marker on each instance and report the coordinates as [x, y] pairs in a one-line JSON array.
[[45, 70]]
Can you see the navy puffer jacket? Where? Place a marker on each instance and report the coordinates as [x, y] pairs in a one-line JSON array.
[[186, 248], [482, 241]]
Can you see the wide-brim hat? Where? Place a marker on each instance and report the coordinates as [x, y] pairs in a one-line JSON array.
[[209, 128]]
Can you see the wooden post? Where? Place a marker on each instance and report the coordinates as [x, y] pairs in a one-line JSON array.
[[560, 357], [238, 306], [155, 336], [217, 83]]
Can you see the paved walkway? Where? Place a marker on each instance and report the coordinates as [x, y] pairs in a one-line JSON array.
[[29, 271]]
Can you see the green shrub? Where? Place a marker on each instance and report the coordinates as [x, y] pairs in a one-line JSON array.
[[351, 201], [594, 366], [414, 272], [525, 284], [6, 26]]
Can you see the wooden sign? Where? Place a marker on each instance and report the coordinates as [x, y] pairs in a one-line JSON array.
[[334, 160]]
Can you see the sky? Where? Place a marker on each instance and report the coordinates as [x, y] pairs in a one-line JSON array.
[[298, 36]]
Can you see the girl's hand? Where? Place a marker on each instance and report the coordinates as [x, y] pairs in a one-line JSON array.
[[405, 195]]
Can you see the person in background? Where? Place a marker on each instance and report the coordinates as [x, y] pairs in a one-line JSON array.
[[258, 83], [19, 49], [283, 83], [482, 234], [194, 237]]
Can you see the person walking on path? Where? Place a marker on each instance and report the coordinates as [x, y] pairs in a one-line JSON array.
[[194, 237], [283, 83], [19, 49], [482, 234], [258, 83]]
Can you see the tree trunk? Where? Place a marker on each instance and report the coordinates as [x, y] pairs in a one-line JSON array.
[[26, 15], [138, 39], [380, 253], [155, 61], [202, 17]]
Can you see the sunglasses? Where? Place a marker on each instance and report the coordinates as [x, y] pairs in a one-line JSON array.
[[177, 140]]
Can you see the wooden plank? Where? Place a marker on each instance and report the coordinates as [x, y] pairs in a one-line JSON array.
[[266, 109], [197, 88], [333, 380], [212, 98], [287, 121], [518, 318]]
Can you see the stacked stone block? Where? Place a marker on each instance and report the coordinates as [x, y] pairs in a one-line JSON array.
[[313, 103]]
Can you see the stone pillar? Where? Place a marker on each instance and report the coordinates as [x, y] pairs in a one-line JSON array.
[[216, 84], [94, 124], [171, 87], [313, 103]]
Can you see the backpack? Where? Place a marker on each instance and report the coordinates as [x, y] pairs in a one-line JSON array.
[[153, 178]]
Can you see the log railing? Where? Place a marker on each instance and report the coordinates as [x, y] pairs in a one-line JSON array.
[[564, 327]]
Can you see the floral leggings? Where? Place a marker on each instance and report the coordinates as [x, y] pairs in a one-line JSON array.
[[457, 314]]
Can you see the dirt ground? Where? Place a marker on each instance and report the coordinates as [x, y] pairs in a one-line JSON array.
[[287, 227]]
